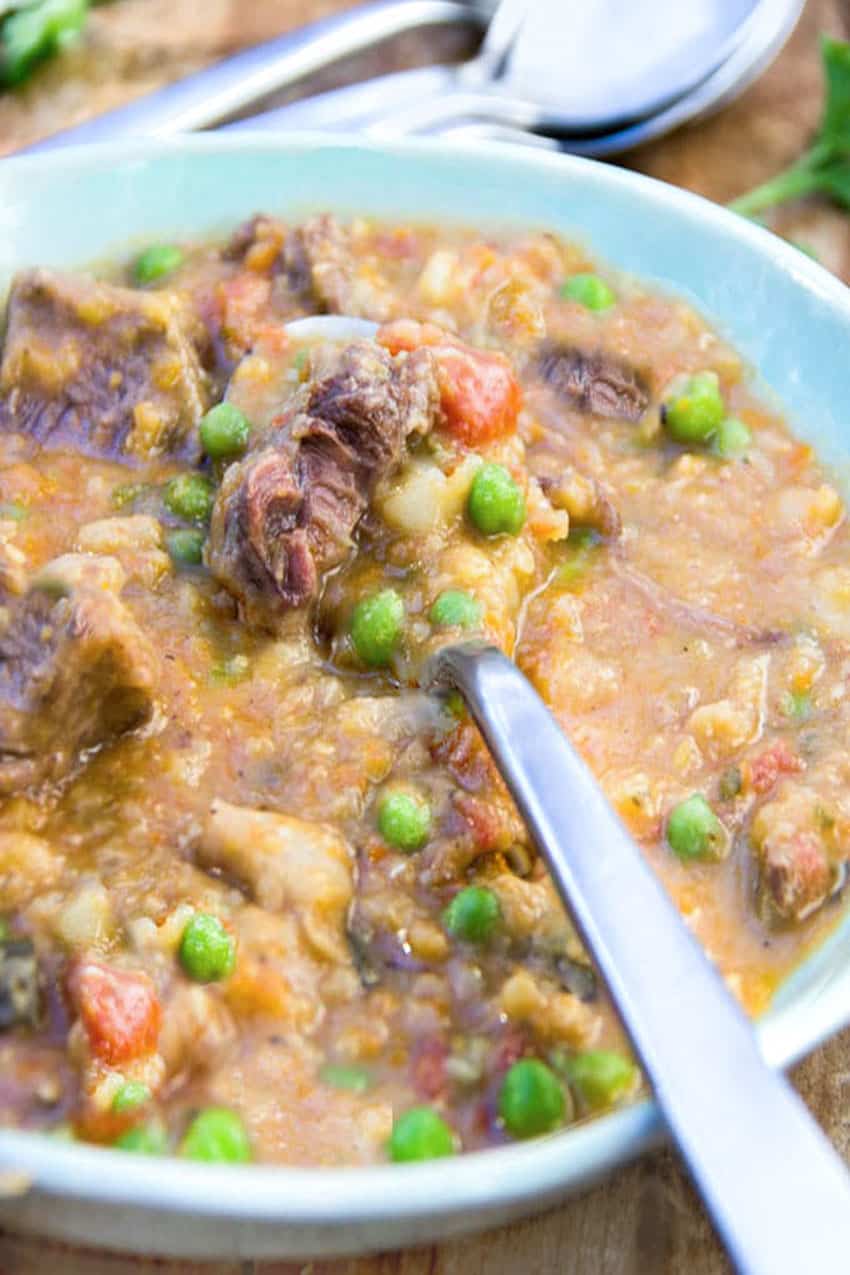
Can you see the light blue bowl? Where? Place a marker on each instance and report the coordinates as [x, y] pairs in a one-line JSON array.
[[787, 315]]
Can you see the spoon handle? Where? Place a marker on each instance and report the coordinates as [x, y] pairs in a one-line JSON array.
[[777, 1192], [236, 83]]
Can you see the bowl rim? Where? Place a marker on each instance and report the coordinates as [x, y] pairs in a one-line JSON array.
[[513, 1174]]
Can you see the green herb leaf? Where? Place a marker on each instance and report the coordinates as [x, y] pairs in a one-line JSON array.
[[29, 35], [834, 180], [835, 121], [825, 167]]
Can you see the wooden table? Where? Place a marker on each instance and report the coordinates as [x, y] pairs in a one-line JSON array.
[[645, 1220]]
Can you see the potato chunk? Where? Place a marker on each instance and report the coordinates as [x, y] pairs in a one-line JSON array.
[[289, 865]]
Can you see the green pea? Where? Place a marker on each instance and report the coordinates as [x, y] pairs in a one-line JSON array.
[[186, 547], [496, 505], [132, 1094], [217, 1135], [797, 705], [473, 914], [588, 290], [455, 609], [404, 820], [694, 412], [207, 952], [420, 1134], [694, 831], [339, 1076], [190, 496], [224, 431], [601, 1077], [157, 261], [376, 627], [144, 1139], [531, 1099], [732, 438]]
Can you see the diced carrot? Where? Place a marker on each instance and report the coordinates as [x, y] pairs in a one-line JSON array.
[[119, 1010], [479, 394], [255, 988], [244, 302]]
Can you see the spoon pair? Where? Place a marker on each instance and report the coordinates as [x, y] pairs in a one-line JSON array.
[[594, 79], [778, 1193]]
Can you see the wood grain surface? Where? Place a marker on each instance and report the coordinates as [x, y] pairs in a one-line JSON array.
[[645, 1220]]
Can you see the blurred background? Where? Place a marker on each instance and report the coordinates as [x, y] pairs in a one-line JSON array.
[[123, 49]]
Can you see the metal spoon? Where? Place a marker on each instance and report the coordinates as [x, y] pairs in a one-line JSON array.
[[778, 1193], [599, 76]]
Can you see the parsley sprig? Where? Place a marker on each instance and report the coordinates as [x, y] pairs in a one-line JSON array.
[[825, 167]]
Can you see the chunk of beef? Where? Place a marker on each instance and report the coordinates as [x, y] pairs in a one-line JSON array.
[[798, 845], [75, 670], [19, 991], [321, 270], [259, 230], [595, 383], [584, 499], [104, 370], [287, 513]]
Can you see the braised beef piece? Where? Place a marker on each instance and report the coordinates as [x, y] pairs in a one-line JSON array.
[[793, 881], [287, 513], [578, 978], [321, 270], [585, 500], [313, 267], [75, 670], [319, 266], [256, 229], [104, 370], [595, 383], [19, 991]]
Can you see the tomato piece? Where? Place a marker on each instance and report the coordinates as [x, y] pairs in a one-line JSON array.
[[119, 1010], [489, 829], [778, 759], [479, 394]]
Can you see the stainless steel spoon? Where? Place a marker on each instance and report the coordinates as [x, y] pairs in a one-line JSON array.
[[598, 77], [534, 94], [777, 1192]]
